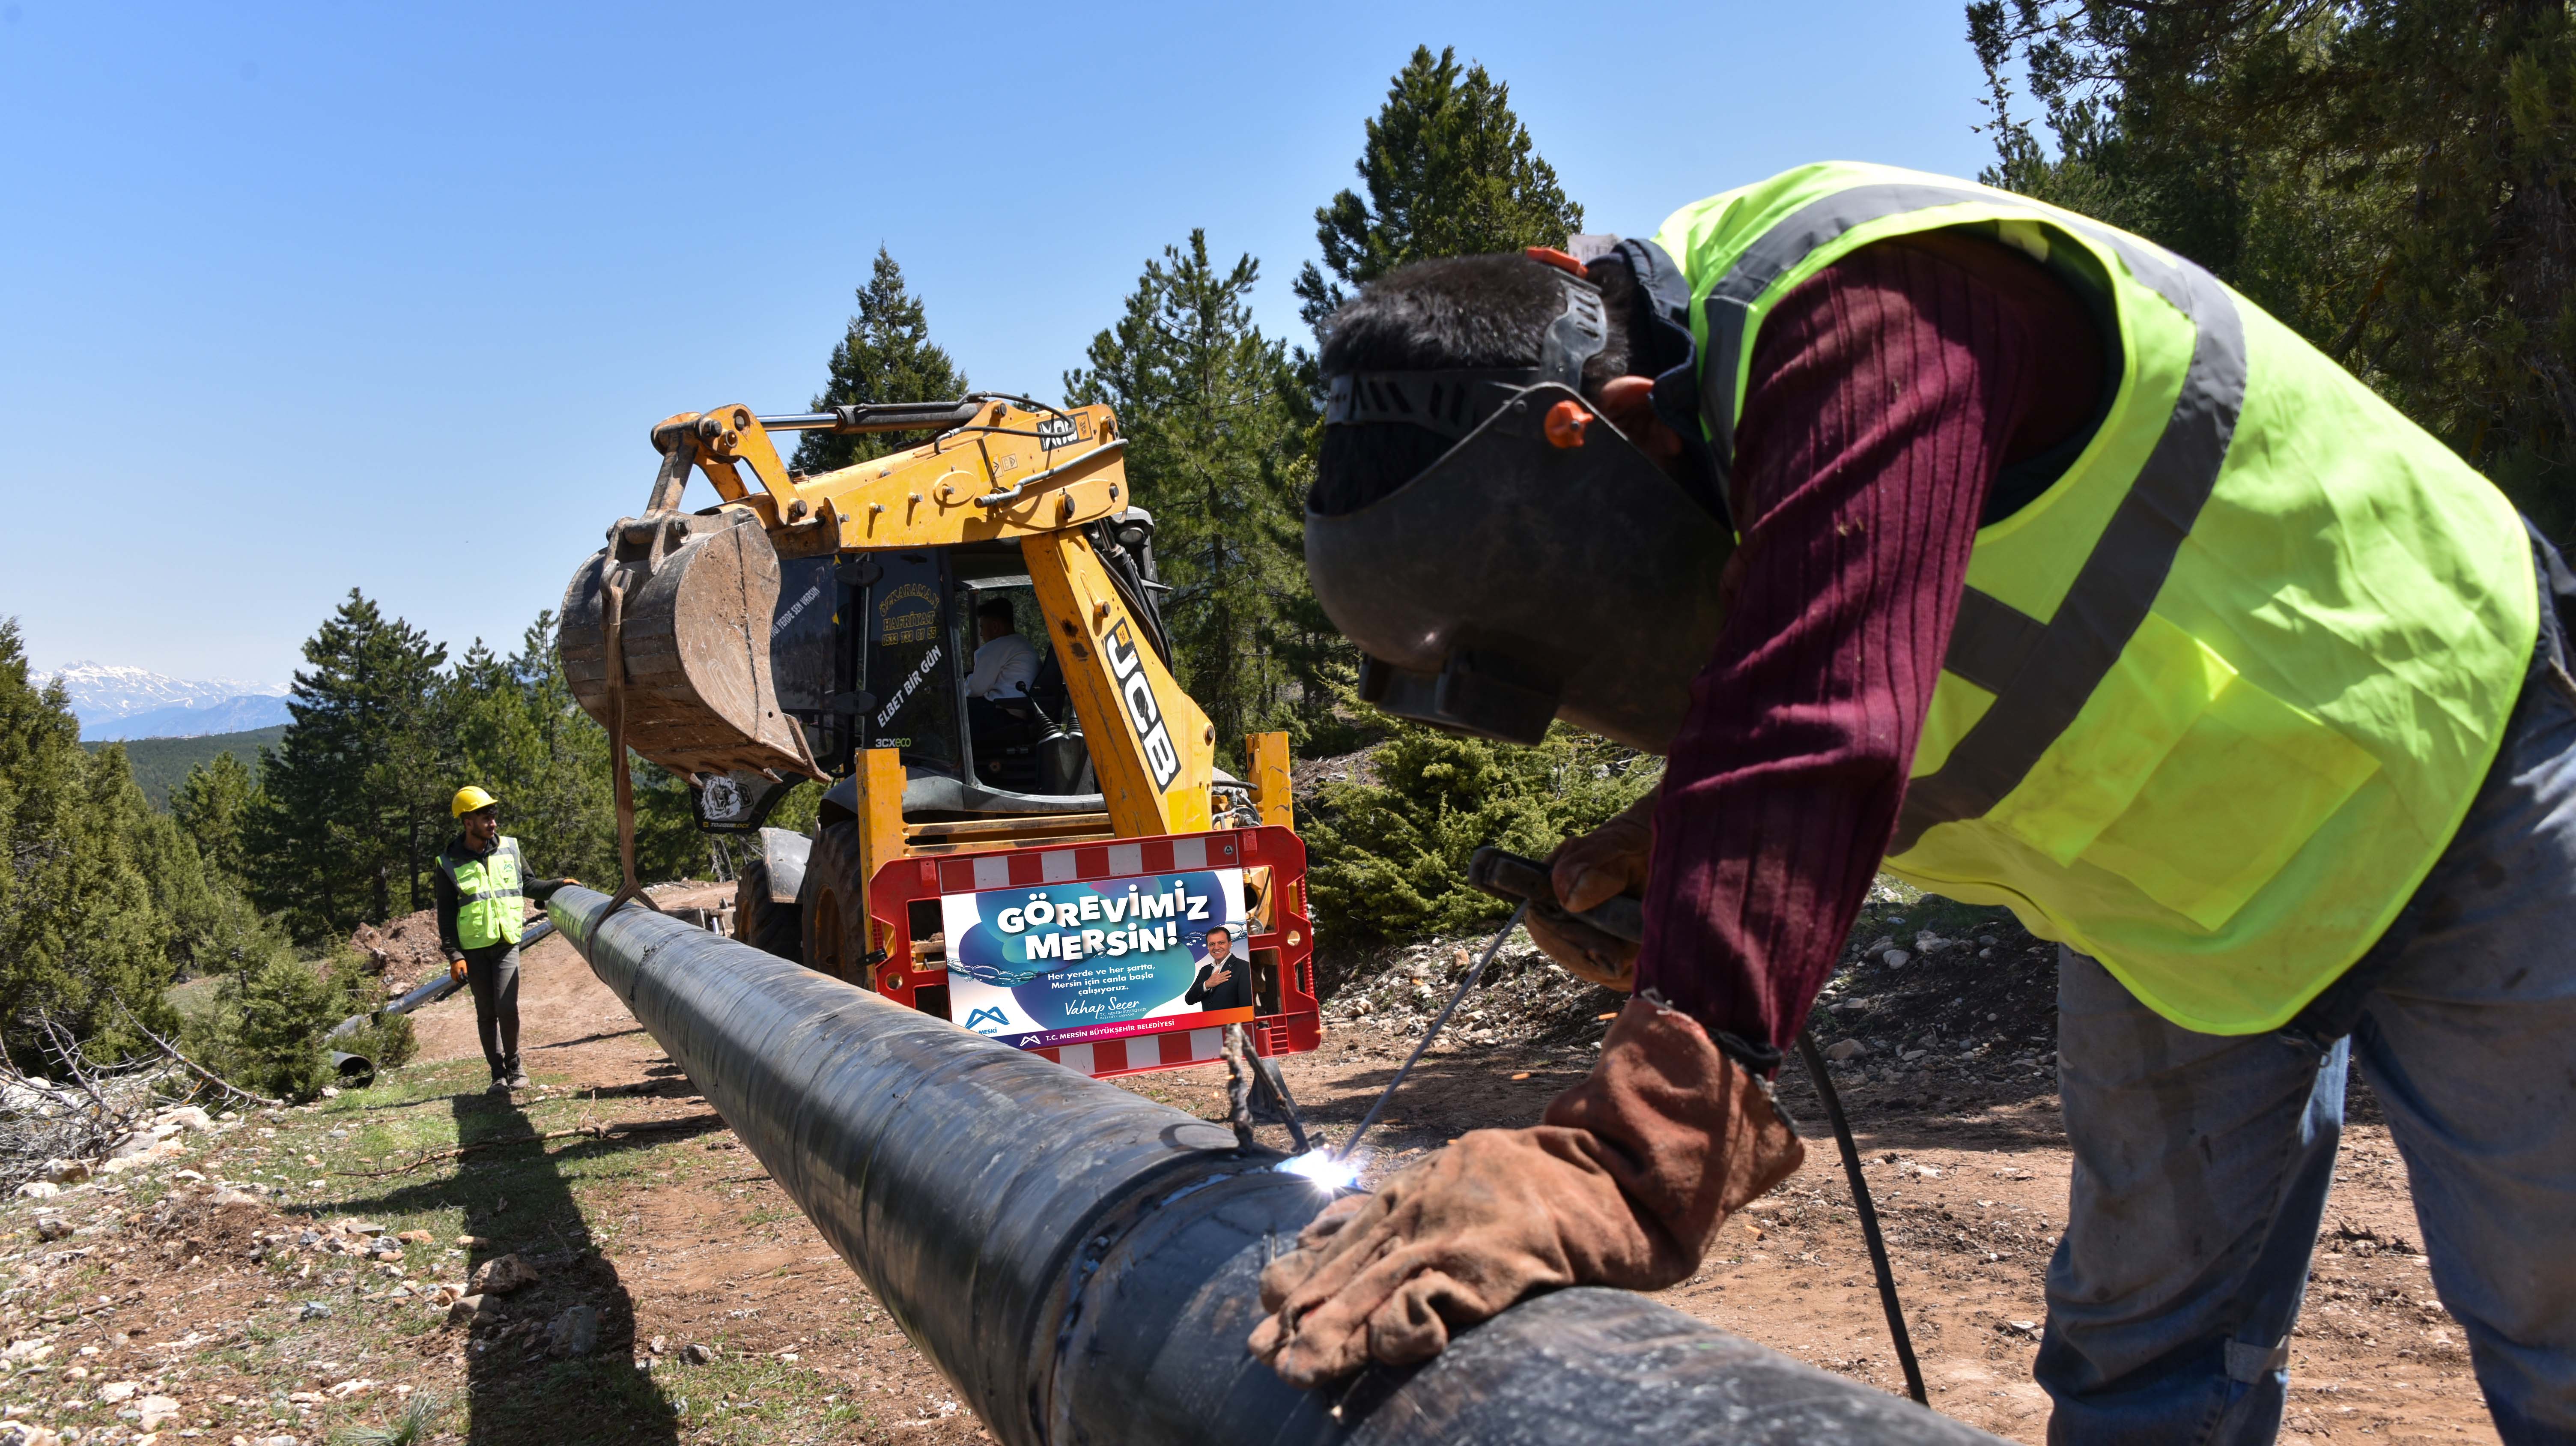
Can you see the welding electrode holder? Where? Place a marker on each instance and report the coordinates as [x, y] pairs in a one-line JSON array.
[[1513, 878]]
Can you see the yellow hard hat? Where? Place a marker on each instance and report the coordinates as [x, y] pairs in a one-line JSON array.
[[468, 799]]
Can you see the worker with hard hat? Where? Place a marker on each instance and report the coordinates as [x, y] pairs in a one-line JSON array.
[[1925, 527], [482, 888]]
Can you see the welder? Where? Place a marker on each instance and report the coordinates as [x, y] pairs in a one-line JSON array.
[[1925, 527]]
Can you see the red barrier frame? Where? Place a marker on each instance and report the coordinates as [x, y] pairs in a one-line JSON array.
[[1294, 1029]]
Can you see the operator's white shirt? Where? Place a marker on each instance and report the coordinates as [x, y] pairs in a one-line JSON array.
[[1004, 668]]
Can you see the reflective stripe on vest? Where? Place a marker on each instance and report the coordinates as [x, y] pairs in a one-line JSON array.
[[488, 894], [2042, 673], [2216, 699]]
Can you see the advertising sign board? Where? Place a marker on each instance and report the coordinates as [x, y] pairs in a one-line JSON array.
[[1080, 961]]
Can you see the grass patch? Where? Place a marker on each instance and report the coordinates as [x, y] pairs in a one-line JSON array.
[[756, 1398], [350, 1156], [195, 1000], [410, 1427]]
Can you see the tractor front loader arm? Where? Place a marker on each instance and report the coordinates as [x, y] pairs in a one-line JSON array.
[[1153, 749]]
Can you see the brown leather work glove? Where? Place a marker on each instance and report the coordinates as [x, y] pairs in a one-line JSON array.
[[1623, 1184], [1589, 871]]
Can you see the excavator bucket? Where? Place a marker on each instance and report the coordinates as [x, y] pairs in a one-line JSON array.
[[693, 600]]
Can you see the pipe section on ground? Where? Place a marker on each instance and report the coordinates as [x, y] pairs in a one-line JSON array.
[[439, 987], [1081, 1262]]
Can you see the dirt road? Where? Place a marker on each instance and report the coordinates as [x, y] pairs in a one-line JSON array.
[[1972, 1192], [1973, 1196], [711, 1250]]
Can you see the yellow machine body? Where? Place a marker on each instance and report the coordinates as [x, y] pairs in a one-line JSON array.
[[667, 629]]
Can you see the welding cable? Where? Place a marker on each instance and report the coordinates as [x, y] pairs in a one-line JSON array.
[[1815, 1063]]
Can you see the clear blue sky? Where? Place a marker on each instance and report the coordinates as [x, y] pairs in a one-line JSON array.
[[300, 298]]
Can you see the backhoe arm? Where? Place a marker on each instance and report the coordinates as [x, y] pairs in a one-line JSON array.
[[1002, 471], [1152, 747]]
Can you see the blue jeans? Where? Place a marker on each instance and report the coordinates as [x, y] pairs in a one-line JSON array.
[[2202, 1161]]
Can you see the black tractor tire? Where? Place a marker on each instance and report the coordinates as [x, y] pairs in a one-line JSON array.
[[763, 922], [834, 902]]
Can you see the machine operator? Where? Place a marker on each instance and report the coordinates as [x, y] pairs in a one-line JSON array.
[[1005, 664]]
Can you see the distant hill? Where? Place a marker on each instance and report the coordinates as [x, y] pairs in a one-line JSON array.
[[190, 720], [104, 696], [160, 763]]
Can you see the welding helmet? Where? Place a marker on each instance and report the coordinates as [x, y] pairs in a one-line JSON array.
[[1543, 566]]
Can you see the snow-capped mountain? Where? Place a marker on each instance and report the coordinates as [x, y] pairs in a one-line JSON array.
[[116, 702], [233, 715]]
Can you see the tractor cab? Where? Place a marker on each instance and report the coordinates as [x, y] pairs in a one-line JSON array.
[[879, 650], [1006, 745]]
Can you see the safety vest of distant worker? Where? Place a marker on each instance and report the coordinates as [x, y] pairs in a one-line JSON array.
[[2220, 696], [488, 907]]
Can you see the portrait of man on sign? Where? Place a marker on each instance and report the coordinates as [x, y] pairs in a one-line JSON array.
[[1225, 980]]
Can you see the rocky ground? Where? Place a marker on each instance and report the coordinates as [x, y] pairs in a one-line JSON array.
[[294, 1274]]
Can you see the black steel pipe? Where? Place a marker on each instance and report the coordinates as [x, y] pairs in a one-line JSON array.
[[440, 985], [1081, 1262]]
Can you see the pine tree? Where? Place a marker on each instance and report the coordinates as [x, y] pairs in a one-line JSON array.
[[1391, 854], [524, 738], [1450, 171], [353, 798], [199, 915], [81, 941], [2395, 179], [266, 1029], [1208, 405], [211, 805], [886, 356]]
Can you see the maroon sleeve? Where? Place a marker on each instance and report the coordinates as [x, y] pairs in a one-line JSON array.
[[1886, 392]]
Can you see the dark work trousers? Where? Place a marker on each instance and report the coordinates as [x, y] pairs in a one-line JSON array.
[[492, 973]]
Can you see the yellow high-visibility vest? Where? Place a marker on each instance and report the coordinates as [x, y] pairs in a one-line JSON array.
[[488, 900], [2220, 696]]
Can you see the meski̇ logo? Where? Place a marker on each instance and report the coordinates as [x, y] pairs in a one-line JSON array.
[[988, 1021], [1144, 710]]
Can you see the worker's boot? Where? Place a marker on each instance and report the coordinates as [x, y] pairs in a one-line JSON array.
[[515, 1078]]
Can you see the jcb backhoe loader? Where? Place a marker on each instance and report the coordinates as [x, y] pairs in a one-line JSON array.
[[1059, 865]]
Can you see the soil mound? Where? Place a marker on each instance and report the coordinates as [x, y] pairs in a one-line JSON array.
[[405, 951], [1523, 996], [1928, 989]]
